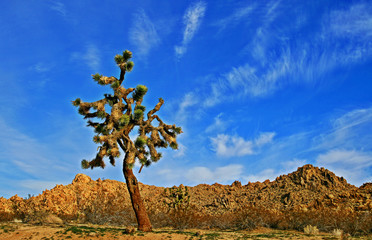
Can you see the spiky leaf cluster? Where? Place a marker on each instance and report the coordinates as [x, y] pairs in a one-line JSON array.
[[113, 124], [123, 61], [140, 91]]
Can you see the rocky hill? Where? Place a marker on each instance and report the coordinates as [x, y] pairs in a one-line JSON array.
[[107, 201]]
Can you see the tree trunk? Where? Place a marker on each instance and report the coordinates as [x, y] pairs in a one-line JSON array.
[[143, 220]]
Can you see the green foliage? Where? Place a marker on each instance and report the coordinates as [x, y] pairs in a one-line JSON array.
[[96, 139], [129, 66], [83, 111], [143, 108], [173, 145], [147, 163], [124, 120], [179, 197], [140, 91], [127, 55], [111, 100], [101, 128], [138, 114], [119, 59], [156, 158], [178, 130], [76, 102], [101, 114], [140, 142], [97, 77], [163, 144], [115, 85], [84, 164], [143, 161], [130, 165]]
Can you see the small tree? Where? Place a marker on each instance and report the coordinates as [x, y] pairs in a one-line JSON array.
[[113, 118]]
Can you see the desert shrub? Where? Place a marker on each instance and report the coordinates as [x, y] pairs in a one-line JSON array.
[[354, 223], [311, 230], [250, 217], [178, 212], [41, 217], [337, 232], [178, 198], [5, 216]]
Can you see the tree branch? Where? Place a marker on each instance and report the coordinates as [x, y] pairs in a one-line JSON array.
[[122, 73], [141, 168], [121, 144], [156, 108]]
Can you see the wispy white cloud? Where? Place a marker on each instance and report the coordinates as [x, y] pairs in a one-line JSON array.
[[51, 157], [264, 138], [192, 19], [230, 146], [58, 7], [350, 130], [272, 173], [27, 153], [37, 185], [353, 22], [279, 62], [345, 147], [199, 174], [190, 99], [143, 34], [218, 125], [222, 175], [237, 16], [247, 80], [40, 67], [271, 11], [91, 57], [291, 166], [181, 151], [342, 146], [263, 175], [351, 164], [353, 27]]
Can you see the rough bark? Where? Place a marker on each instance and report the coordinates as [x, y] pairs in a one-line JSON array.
[[143, 220]]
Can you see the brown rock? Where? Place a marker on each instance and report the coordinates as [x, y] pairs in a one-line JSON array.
[[81, 178], [107, 201]]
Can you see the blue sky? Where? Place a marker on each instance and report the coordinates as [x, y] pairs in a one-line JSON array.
[[259, 87]]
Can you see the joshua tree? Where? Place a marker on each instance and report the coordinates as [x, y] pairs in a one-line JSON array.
[[113, 118]]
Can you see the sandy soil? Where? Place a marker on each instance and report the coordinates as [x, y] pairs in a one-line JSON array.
[[45, 232]]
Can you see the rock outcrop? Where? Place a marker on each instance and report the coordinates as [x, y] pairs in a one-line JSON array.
[[107, 201]]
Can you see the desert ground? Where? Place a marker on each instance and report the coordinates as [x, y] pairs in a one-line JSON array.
[[11, 230], [280, 209]]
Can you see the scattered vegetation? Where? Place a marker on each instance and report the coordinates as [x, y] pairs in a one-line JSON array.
[[337, 232], [311, 230], [98, 231], [7, 228], [249, 218]]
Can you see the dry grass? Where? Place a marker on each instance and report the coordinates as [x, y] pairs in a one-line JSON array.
[[248, 218], [337, 232], [311, 230]]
